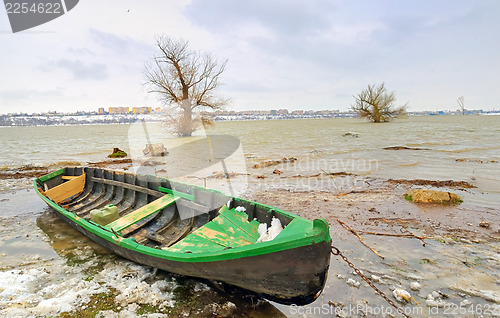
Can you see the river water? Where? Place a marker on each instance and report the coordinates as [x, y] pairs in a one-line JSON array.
[[461, 148], [47, 268]]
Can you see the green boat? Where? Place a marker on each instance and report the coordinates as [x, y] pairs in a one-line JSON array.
[[194, 231]]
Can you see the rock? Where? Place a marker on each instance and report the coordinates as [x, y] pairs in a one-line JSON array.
[[215, 309], [401, 295], [227, 309], [117, 153], [415, 286], [376, 278], [276, 171], [350, 135], [155, 150], [211, 309], [432, 196], [484, 224], [353, 283]]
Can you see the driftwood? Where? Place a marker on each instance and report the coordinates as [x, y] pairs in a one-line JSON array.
[[403, 229], [359, 237]]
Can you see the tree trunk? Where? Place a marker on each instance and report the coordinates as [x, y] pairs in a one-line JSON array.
[[186, 121], [377, 118]]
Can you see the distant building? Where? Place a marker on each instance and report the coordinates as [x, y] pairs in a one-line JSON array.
[[142, 110], [118, 110], [100, 111], [297, 112]]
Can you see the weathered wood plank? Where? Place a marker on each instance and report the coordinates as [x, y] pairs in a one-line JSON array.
[[230, 229], [237, 230], [141, 213], [226, 237], [127, 186], [174, 233], [194, 244], [239, 220], [69, 177], [67, 189]]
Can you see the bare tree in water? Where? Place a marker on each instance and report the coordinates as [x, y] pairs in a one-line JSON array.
[[377, 105], [461, 104], [186, 80]]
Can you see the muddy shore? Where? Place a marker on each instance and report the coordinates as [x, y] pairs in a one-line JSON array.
[[368, 209], [459, 260]]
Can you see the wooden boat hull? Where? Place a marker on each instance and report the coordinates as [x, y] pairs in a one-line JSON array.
[[292, 274]]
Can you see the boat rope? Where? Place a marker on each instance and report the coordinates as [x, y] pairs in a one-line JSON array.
[[335, 251]]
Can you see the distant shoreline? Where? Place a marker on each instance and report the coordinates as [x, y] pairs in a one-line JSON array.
[[76, 120]]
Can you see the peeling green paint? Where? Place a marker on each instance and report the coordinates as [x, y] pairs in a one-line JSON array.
[[141, 213]]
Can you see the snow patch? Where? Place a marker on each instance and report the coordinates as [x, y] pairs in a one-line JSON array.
[[58, 287], [268, 234], [240, 209], [129, 278]]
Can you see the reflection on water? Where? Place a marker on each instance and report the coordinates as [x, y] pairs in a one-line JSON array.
[[65, 240]]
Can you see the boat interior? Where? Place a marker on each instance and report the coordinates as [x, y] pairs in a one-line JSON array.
[[158, 212]]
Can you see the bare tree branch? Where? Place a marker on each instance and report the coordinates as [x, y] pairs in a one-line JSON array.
[[184, 79], [377, 105]]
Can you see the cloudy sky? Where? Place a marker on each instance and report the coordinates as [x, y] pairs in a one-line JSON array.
[[281, 54]]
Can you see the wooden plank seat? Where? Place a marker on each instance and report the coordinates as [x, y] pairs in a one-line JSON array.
[[66, 189], [141, 213], [229, 229], [69, 177]]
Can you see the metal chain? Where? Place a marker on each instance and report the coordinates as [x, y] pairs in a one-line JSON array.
[[336, 251]]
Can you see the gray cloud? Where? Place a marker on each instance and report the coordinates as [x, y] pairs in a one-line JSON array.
[[80, 51], [119, 45], [403, 43], [13, 95], [79, 69], [281, 17], [109, 40]]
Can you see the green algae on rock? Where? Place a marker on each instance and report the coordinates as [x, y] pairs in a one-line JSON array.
[[117, 153], [432, 196]]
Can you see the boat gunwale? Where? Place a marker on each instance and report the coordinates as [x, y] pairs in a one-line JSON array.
[[318, 233]]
